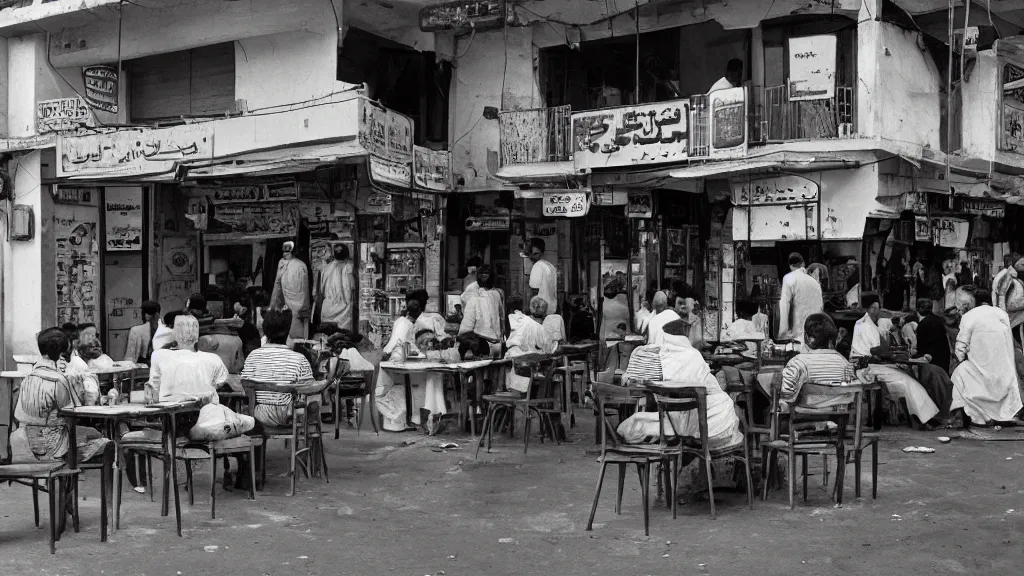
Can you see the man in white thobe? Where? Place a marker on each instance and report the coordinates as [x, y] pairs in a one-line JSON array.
[[543, 276], [334, 290], [528, 337], [801, 297], [985, 382], [662, 316], [291, 290], [867, 341]]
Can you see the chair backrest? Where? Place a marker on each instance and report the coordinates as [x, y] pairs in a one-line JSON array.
[[542, 371], [603, 394], [841, 412], [251, 387], [679, 397], [6, 418]]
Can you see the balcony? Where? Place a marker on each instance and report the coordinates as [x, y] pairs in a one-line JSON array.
[[775, 118], [535, 135]]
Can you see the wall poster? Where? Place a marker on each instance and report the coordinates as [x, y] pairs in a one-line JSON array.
[[76, 236], [812, 67], [1013, 108], [728, 123], [122, 208]]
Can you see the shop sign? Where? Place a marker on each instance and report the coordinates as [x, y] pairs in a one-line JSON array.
[[229, 194], [431, 169], [379, 203], [123, 218], [487, 223], [61, 115], [728, 125], [134, 152], [81, 196], [389, 172], [990, 208], [950, 232], [385, 133], [565, 204], [812, 67], [465, 15], [101, 87], [267, 218], [639, 205], [922, 229], [628, 135], [916, 202], [775, 190]]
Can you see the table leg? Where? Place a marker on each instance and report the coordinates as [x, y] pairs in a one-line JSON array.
[[463, 385], [116, 472], [72, 462], [566, 401], [408, 401], [171, 435]]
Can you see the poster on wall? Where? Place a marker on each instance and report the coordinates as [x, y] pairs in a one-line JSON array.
[[812, 67], [278, 219], [122, 212], [101, 87], [628, 135], [385, 133], [1013, 108], [61, 115], [390, 173], [431, 169], [76, 236], [950, 232], [728, 112]]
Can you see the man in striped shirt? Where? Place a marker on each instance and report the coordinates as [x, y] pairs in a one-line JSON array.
[[275, 362], [821, 364]]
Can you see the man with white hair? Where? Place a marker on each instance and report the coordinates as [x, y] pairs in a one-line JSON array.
[[184, 373], [801, 297], [528, 337], [291, 290], [662, 316]]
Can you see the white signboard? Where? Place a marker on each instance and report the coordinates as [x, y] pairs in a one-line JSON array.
[[812, 67], [647, 134], [122, 209], [62, 114], [487, 223], [378, 203], [384, 132], [775, 190], [728, 113], [133, 152], [565, 204], [390, 172], [430, 169], [950, 232], [776, 222]]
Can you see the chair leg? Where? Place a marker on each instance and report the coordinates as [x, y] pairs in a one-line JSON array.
[[803, 472], [597, 495], [323, 456], [293, 446], [35, 500], [711, 484], [52, 497], [646, 489], [106, 474], [750, 480], [666, 480], [149, 478], [856, 471], [213, 483], [792, 478], [840, 472], [485, 433], [189, 485], [252, 473], [526, 430], [618, 493], [874, 470], [74, 500], [674, 486]]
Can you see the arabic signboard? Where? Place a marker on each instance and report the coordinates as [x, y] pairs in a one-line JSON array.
[[236, 193], [639, 205], [775, 190], [487, 223], [378, 203], [812, 67], [61, 115], [990, 208], [648, 134], [1013, 109], [385, 133], [279, 219], [466, 15], [431, 169], [101, 87], [950, 232], [390, 172], [134, 152], [122, 209], [565, 204], [728, 123]]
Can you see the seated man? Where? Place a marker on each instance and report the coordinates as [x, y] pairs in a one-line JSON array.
[[221, 340], [184, 373], [442, 350], [985, 381], [528, 337], [820, 364], [743, 327], [164, 337], [644, 365], [681, 362], [554, 325], [274, 362], [391, 398], [662, 316], [869, 340], [87, 357]]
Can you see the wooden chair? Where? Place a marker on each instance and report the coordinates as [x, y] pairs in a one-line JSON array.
[[220, 448], [309, 433], [351, 385], [54, 476], [614, 450], [542, 369], [804, 436]]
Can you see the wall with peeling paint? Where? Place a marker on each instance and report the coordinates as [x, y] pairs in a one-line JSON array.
[[286, 68], [980, 113]]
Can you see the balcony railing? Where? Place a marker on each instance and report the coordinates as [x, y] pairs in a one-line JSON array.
[[535, 135], [776, 118]]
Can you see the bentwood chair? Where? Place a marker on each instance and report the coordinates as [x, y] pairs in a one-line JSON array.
[[238, 445], [541, 370]]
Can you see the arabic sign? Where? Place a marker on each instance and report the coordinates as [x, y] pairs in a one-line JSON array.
[[990, 208], [487, 223], [950, 232], [465, 15], [628, 135], [385, 133], [775, 190], [83, 196], [390, 172], [922, 229], [273, 218], [728, 123], [101, 87], [379, 203], [812, 67], [639, 205], [61, 115], [133, 152], [567, 204], [431, 169], [123, 219]]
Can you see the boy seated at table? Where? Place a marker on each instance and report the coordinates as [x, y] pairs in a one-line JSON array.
[[438, 351], [275, 362], [88, 357], [391, 398], [820, 364]]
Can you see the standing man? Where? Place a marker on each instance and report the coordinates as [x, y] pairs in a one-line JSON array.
[[733, 76], [291, 290], [543, 276], [801, 297], [335, 289], [140, 338]]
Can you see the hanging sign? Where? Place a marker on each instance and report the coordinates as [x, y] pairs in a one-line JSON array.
[[648, 134], [123, 219], [775, 190], [728, 111], [487, 223], [379, 203], [567, 204], [385, 133], [812, 67], [950, 232], [430, 169], [466, 15], [61, 115], [990, 208], [390, 172], [922, 229], [134, 152], [101, 87], [639, 205]]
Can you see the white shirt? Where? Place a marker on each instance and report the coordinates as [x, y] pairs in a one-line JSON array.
[[641, 319], [801, 297], [722, 84], [554, 325], [544, 278], [655, 335], [164, 336], [866, 335], [179, 375]]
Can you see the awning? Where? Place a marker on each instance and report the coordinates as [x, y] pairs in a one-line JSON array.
[[709, 169], [282, 161], [537, 172]]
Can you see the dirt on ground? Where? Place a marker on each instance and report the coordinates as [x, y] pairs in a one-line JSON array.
[[399, 504]]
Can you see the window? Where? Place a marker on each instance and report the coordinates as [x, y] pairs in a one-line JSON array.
[[191, 83]]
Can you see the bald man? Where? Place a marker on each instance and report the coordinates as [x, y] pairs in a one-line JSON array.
[[291, 290], [662, 315]]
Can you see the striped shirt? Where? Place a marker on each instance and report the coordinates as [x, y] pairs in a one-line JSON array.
[[819, 367], [275, 363], [644, 364]]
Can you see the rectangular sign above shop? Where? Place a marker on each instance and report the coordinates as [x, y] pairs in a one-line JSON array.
[[628, 135], [990, 208], [134, 152], [639, 205], [61, 115], [812, 67], [728, 123], [487, 223], [390, 172], [774, 190], [431, 169], [378, 203], [565, 204], [385, 133]]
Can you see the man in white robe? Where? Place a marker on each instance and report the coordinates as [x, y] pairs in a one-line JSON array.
[[662, 316], [985, 382], [867, 341], [801, 297], [337, 280], [528, 337], [291, 290], [543, 276], [483, 313]]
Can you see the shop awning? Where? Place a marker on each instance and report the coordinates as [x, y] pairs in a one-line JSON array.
[[709, 169], [271, 162]]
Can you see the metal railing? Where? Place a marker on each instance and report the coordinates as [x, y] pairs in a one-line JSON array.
[[535, 135], [776, 118], [700, 127]]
